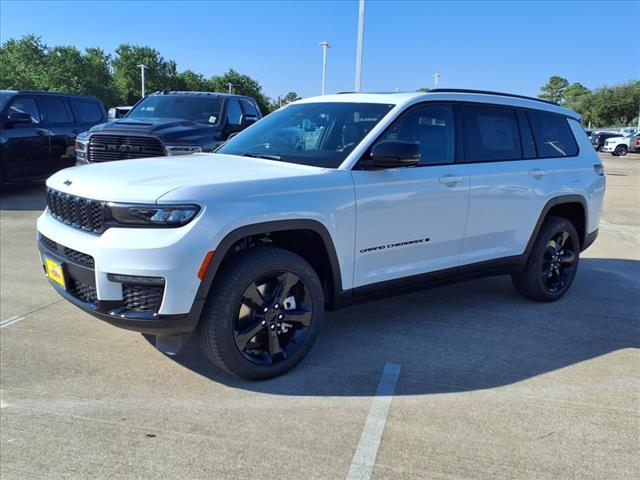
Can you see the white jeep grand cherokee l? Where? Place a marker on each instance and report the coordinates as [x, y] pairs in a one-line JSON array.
[[326, 201]]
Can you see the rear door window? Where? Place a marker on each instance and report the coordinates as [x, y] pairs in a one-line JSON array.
[[54, 111], [552, 135], [491, 134], [86, 112]]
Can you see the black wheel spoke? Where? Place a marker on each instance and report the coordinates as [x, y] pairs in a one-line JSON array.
[[286, 281], [567, 258], [252, 297], [301, 316], [245, 336], [274, 344]]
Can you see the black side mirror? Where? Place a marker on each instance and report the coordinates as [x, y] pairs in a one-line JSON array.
[[17, 118], [247, 119], [395, 153]]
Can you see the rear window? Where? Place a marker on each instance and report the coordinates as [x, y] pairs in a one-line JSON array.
[[54, 110], [86, 112], [552, 135], [491, 134]]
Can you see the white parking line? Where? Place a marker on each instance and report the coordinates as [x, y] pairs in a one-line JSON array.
[[19, 318], [365, 457]]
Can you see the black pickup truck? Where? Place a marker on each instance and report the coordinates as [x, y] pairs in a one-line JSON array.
[[38, 132], [168, 123]]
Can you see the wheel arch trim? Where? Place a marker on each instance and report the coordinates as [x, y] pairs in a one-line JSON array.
[[555, 201], [239, 233]]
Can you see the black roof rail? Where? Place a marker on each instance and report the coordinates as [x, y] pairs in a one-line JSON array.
[[486, 92]]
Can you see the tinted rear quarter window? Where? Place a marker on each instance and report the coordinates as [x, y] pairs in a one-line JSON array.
[[86, 111], [491, 134], [552, 135], [54, 110]]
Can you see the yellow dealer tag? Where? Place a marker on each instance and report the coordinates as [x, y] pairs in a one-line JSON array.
[[54, 272]]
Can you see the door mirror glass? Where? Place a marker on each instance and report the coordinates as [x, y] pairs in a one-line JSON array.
[[395, 153]]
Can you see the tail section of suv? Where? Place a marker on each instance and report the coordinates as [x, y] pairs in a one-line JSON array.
[[168, 123], [38, 132], [325, 202]]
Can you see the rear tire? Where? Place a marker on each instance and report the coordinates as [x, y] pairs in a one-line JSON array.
[[263, 313], [552, 264]]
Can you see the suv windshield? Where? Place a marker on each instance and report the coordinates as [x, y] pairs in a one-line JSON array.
[[318, 134], [195, 108]]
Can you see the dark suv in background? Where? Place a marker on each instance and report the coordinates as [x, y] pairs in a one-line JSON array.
[[38, 131], [598, 138], [168, 123]]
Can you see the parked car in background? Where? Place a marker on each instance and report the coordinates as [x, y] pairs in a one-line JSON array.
[[598, 138], [118, 112], [169, 123], [620, 146], [38, 132]]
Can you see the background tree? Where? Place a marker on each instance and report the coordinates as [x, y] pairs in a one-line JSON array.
[[423, 89], [241, 85], [554, 89], [160, 75], [281, 101], [23, 64]]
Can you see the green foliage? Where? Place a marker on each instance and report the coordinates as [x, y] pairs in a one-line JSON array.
[[423, 89], [29, 64], [604, 106], [281, 101], [554, 89]]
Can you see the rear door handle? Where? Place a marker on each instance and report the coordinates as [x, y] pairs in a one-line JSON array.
[[451, 179], [538, 173]]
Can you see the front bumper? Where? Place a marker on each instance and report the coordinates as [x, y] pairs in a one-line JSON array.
[[89, 262]]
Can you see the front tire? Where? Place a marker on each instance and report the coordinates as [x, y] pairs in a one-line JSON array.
[[620, 151], [552, 264], [263, 313]]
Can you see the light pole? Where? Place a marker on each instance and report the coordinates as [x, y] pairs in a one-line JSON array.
[[359, 48], [325, 46], [230, 85], [142, 67], [436, 79]]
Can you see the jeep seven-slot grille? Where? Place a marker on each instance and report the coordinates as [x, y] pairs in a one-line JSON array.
[[142, 298], [104, 148], [76, 211]]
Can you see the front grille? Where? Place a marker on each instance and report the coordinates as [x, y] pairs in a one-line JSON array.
[[68, 253], [76, 211], [83, 291], [105, 148], [142, 298]]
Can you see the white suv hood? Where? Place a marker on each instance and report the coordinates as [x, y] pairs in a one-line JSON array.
[[147, 179]]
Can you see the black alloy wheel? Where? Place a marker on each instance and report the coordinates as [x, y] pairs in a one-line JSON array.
[[552, 263], [263, 313], [274, 316], [560, 261]]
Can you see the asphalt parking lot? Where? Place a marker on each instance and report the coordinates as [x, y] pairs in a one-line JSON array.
[[490, 385]]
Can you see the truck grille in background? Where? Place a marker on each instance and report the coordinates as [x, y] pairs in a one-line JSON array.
[[76, 211], [142, 298], [104, 148]]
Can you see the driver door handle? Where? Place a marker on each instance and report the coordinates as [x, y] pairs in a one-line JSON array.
[[538, 173], [42, 132], [450, 180]]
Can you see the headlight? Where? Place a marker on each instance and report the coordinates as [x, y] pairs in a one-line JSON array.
[[153, 215], [81, 145], [182, 149]]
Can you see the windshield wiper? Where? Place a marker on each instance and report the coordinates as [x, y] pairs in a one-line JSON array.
[[268, 156]]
